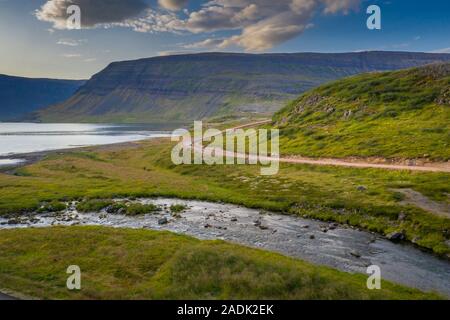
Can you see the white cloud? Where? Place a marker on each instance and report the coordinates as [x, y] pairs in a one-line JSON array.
[[443, 50], [71, 42], [93, 13], [205, 44], [256, 25], [71, 55], [174, 5]]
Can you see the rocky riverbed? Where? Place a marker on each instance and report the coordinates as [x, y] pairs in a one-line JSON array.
[[329, 244]]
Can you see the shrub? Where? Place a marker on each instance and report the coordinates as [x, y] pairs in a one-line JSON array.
[[54, 206], [140, 209], [93, 205], [177, 208]]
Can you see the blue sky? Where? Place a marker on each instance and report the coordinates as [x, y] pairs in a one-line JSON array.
[[35, 43]]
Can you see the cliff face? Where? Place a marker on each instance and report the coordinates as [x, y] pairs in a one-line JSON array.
[[187, 87]]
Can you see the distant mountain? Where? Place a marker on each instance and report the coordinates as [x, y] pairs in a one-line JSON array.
[[20, 96], [401, 114], [187, 87]]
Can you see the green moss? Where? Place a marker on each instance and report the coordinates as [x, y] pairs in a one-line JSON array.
[[140, 209], [93, 205], [177, 208], [54, 206]]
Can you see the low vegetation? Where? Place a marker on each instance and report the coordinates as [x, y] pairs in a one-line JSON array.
[[365, 198], [130, 209], [93, 205], [401, 114], [136, 209], [53, 206], [177, 208], [143, 264]]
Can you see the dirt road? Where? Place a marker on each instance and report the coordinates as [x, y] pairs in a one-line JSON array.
[[429, 167]]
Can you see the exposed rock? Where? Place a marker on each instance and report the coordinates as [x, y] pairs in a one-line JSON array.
[[312, 237], [348, 114], [396, 236], [356, 254], [361, 188], [13, 221], [163, 221], [333, 226], [262, 227], [234, 219]]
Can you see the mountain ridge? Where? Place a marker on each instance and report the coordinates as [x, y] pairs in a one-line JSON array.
[[206, 85], [21, 95]]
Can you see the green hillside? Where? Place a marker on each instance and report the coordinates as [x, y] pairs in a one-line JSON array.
[[144, 264], [401, 114]]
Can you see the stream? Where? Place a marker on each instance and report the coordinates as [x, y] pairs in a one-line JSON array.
[[329, 244]]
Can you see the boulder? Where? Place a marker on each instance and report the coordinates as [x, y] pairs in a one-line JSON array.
[[396, 236], [163, 221]]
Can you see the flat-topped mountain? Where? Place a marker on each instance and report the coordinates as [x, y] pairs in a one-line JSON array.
[[187, 87], [20, 96]]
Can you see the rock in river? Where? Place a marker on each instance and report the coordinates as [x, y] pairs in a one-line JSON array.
[[396, 236], [163, 221]]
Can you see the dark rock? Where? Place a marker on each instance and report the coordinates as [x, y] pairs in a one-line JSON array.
[[263, 227], [361, 188], [234, 219], [163, 221], [396, 236], [13, 221], [312, 237], [333, 226], [355, 254]]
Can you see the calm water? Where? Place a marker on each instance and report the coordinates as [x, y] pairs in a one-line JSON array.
[[20, 138]]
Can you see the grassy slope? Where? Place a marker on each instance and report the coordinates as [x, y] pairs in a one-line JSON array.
[[328, 193], [403, 114], [138, 264]]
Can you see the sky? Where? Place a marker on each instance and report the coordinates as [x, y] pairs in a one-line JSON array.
[[35, 40]]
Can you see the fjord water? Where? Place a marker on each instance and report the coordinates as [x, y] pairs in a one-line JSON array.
[[20, 138]]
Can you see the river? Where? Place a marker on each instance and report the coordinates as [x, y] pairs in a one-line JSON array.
[[333, 245]]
